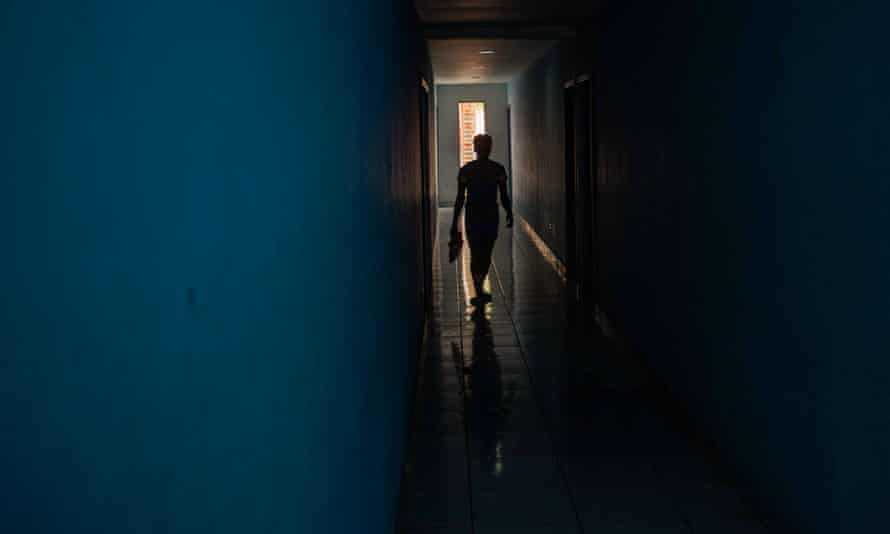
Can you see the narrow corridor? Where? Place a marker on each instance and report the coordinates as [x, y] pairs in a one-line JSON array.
[[225, 309], [528, 421]]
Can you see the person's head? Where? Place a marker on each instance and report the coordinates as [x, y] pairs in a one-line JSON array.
[[482, 146]]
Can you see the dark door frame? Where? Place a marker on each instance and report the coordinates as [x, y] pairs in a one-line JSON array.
[[584, 172], [427, 229], [509, 153], [581, 189], [594, 196], [571, 260]]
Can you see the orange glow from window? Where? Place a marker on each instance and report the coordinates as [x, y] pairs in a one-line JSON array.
[[471, 118]]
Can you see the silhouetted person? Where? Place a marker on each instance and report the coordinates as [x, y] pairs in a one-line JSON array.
[[479, 183]]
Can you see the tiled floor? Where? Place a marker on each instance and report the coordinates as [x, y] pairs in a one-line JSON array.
[[528, 423]]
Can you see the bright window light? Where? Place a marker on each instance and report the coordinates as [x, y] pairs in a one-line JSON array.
[[471, 118]]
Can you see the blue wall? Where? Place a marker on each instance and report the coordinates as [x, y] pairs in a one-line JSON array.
[[211, 268], [743, 221]]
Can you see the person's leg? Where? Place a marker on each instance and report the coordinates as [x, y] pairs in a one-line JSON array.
[[475, 255], [487, 250], [480, 262]]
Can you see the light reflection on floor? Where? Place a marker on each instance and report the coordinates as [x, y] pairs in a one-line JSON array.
[[527, 422]]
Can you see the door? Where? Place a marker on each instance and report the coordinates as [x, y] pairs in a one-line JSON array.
[[426, 196], [584, 191], [570, 210]]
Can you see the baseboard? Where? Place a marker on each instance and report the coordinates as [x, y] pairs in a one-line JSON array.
[[545, 250]]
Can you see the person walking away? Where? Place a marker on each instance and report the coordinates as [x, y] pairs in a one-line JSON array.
[[479, 183]]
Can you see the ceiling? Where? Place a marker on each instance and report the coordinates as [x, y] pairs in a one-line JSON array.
[[535, 11], [519, 31], [459, 60]]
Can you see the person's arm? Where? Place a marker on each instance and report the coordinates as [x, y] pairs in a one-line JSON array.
[[505, 200], [458, 203]]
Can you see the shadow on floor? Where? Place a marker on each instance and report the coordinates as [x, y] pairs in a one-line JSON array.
[[530, 420]]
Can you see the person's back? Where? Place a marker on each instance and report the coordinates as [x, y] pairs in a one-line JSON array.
[[479, 184], [482, 179]]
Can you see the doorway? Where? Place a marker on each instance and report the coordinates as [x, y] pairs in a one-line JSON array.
[[509, 162], [581, 261], [486, 110], [585, 189], [570, 211], [426, 188]]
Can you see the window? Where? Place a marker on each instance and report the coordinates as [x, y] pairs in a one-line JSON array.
[[471, 118]]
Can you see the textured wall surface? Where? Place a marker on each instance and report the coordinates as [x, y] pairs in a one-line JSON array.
[[448, 97], [752, 258], [742, 219], [539, 188], [210, 240]]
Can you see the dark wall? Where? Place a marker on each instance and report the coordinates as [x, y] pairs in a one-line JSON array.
[[536, 104], [210, 296], [742, 226]]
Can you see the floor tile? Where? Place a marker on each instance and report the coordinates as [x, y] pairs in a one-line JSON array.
[[527, 422]]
